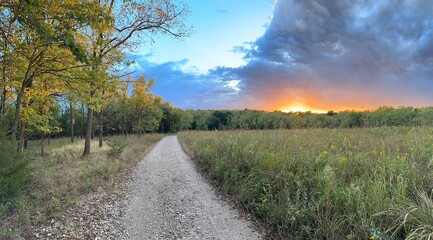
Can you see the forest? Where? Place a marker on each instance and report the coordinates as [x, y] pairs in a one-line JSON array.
[[140, 112], [55, 54], [143, 112]]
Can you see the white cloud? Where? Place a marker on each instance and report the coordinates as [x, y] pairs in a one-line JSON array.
[[233, 84]]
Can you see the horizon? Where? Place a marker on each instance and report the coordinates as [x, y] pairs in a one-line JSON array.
[[276, 55], [305, 110]]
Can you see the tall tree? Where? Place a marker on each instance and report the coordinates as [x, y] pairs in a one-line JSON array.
[[43, 39], [40, 109], [123, 25], [72, 119], [141, 102], [6, 56]]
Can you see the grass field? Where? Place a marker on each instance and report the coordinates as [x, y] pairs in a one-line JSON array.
[[326, 184], [62, 176]]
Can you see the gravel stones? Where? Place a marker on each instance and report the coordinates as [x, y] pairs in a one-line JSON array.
[[98, 215], [164, 198], [170, 200]]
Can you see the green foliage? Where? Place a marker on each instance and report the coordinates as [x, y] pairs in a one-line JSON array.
[[325, 183], [14, 172], [174, 119], [146, 111], [412, 217], [252, 119], [116, 147]]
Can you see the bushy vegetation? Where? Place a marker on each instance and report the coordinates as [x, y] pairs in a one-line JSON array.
[[250, 119], [326, 183], [15, 175], [119, 118], [14, 172]]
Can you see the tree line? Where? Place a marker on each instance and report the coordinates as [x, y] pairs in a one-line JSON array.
[[136, 110], [58, 53], [173, 119], [251, 119]]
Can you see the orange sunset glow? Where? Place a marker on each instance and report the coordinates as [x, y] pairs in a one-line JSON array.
[[282, 67], [301, 107], [315, 105], [298, 107]]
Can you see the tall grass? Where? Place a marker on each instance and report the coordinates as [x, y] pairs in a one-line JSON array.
[[62, 176], [322, 183]]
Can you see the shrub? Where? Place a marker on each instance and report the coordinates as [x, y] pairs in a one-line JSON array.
[[14, 172], [116, 147]]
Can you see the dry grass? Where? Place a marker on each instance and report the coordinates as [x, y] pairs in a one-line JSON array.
[[62, 176]]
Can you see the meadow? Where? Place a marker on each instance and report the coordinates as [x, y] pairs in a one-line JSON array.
[[365, 183], [56, 181]]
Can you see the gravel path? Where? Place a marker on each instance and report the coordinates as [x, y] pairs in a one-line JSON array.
[[168, 199]]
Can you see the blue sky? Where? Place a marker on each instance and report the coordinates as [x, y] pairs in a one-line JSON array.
[[218, 26], [293, 54]]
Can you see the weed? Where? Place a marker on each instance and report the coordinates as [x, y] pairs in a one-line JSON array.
[[325, 183], [412, 217], [62, 176]]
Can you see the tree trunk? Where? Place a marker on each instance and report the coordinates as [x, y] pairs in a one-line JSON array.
[[16, 115], [3, 96], [123, 113], [22, 137], [49, 138], [42, 145], [82, 123], [72, 121], [27, 83], [3, 102], [4, 69], [88, 133], [101, 128]]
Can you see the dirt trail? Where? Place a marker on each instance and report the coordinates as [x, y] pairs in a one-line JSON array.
[[170, 200]]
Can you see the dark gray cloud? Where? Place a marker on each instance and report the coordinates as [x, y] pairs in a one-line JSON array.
[[342, 52], [323, 53]]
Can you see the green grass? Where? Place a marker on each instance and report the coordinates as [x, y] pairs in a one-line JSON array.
[[62, 176], [322, 183]]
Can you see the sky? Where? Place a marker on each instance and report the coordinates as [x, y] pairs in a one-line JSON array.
[[295, 55]]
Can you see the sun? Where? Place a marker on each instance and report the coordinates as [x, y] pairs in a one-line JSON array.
[[297, 107]]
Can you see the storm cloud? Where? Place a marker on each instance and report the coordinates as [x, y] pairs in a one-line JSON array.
[[335, 53], [328, 54]]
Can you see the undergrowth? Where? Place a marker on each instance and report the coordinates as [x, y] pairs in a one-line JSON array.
[[326, 184], [15, 176], [61, 177]]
